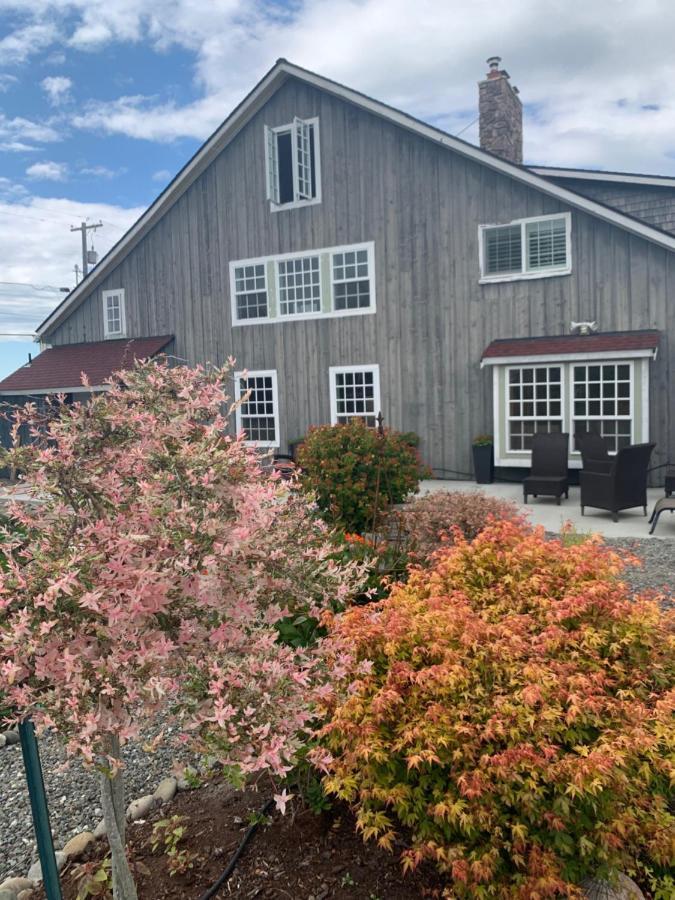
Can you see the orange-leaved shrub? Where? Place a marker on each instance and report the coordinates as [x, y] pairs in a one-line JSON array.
[[430, 522], [512, 706]]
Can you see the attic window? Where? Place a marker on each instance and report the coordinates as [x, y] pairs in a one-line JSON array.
[[114, 317], [527, 248], [292, 158]]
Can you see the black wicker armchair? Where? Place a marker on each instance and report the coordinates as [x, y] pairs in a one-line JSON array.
[[623, 486], [548, 476], [594, 452]]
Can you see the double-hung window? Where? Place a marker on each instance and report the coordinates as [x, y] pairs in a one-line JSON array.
[[258, 411], [351, 279], [535, 403], [527, 248], [299, 285], [250, 291], [293, 166], [114, 315], [354, 393], [603, 401]]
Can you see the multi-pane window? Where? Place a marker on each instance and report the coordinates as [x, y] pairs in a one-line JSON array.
[[535, 403], [603, 402], [257, 413], [114, 318], [351, 281], [529, 247], [292, 156], [299, 286], [355, 393], [250, 291]]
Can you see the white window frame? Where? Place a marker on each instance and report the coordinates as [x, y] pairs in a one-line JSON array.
[[122, 333], [277, 272], [335, 370], [325, 286], [272, 163], [525, 274], [508, 418], [370, 262], [235, 295], [631, 398], [258, 373]]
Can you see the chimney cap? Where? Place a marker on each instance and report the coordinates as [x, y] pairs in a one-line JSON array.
[[493, 61]]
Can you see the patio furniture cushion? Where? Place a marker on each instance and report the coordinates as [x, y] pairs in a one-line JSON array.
[[661, 505], [623, 487], [548, 475]]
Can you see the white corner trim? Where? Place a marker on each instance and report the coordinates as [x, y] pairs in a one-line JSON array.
[[248, 373], [334, 370], [255, 100]]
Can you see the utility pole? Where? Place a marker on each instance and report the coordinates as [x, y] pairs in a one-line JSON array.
[[83, 227], [77, 273]]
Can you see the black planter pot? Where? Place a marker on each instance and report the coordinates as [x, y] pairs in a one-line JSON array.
[[483, 463]]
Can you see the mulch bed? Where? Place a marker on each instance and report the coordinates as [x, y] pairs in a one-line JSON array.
[[298, 857]]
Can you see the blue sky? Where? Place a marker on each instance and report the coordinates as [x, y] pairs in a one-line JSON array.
[[102, 101]]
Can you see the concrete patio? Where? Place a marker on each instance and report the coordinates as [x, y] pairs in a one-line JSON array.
[[544, 511]]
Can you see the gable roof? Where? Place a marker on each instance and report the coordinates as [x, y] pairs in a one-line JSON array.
[[658, 181], [61, 368], [630, 343], [266, 87]]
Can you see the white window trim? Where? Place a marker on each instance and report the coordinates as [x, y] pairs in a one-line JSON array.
[[335, 370], [296, 317], [295, 204], [277, 280], [576, 454], [524, 274], [110, 335], [248, 373], [507, 401]]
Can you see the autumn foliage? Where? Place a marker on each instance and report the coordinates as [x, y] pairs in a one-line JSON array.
[[512, 706]]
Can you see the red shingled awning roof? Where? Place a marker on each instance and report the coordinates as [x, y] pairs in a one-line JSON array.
[[564, 344], [62, 367]]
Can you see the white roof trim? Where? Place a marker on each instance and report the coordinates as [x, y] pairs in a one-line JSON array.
[[621, 177], [38, 392], [567, 357], [258, 96]]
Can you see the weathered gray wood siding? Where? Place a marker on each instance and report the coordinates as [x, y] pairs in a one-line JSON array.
[[421, 205], [653, 204]]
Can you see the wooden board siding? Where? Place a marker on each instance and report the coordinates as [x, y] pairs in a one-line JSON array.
[[653, 204], [421, 205]]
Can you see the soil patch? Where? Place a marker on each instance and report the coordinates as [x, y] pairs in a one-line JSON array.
[[301, 857]]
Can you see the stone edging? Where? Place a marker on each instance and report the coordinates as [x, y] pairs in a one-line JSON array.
[[8, 739], [17, 888]]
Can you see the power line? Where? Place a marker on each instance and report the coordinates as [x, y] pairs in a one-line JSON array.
[[466, 127], [35, 287]]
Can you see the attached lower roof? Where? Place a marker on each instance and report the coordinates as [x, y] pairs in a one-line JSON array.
[[659, 181], [254, 101], [61, 368], [614, 343]]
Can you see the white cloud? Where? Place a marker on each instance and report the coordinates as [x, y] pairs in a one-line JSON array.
[[47, 171], [102, 172], [162, 175], [57, 88], [21, 44], [6, 82], [19, 130], [38, 248]]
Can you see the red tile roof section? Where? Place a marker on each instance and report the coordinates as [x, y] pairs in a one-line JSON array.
[[62, 367], [573, 343]]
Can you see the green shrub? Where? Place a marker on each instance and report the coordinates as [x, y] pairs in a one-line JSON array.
[[430, 521], [512, 706], [351, 468]]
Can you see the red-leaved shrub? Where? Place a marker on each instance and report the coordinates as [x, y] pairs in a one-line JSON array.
[[512, 706]]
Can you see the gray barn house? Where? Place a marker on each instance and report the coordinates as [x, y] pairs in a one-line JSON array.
[[353, 258]]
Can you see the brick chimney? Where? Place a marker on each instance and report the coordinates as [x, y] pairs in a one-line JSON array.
[[500, 114]]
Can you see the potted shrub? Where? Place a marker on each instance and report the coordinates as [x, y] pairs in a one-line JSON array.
[[483, 458]]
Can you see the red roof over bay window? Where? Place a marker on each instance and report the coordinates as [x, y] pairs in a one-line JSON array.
[[564, 344]]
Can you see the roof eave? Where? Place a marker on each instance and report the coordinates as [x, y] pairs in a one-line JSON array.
[[649, 352]]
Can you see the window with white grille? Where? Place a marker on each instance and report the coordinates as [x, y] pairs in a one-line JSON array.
[[258, 411], [292, 160], [114, 317], [528, 248], [351, 280], [354, 393], [299, 286], [250, 291], [534, 403], [603, 401]]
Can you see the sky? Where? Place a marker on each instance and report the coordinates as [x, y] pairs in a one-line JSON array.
[[102, 101]]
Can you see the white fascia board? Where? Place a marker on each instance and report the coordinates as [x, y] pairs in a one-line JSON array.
[[258, 96], [567, 357], [41, 392], [616, 177]]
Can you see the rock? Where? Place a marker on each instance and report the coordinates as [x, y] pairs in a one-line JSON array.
[[35, 871], [78, 844], [100, 830], [187, 779], [623, 889], [138, 809], [11, 738], [3, 741], [11, 888], [166, 790]]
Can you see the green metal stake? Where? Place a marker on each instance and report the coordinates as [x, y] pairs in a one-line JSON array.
[[38, 805]]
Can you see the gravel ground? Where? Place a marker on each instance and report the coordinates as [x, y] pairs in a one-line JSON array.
[[657, 572], [72, 792]]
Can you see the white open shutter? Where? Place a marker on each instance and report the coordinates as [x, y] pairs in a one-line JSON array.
[[272, 156], [302, 160]]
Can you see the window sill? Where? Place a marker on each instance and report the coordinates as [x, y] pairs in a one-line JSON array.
[[295, 204], [305, 317], [523, 276], [115, 337]]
